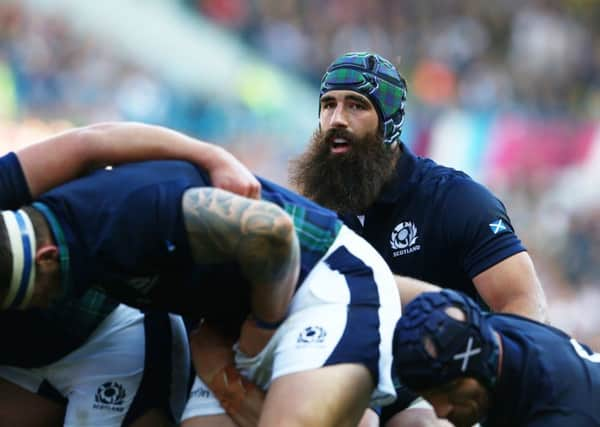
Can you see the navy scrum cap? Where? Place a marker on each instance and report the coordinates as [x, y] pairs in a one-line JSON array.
[[375, 77], [461, 348]]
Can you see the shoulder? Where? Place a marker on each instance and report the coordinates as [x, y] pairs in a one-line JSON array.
[[451, 187]]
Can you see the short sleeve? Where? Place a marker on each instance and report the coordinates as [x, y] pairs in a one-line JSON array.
[[476, 226], [14, 191]]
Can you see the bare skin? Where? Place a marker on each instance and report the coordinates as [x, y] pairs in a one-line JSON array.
[[260, 236], [67, 155], [62, 157], [349, 110]]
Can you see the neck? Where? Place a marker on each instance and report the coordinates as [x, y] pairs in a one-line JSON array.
[[43, 234]]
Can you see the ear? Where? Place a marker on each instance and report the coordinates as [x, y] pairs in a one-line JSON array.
[[46, 255]]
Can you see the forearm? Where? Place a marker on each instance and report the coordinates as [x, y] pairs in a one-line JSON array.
[[65, 156], [410, 288], [524, 305], [273, 274], [213, 359]]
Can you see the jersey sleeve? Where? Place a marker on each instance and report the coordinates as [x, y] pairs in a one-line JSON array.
[[14, 191], [476, 226]]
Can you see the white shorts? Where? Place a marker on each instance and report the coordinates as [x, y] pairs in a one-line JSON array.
[[132, 362], [345, 311]]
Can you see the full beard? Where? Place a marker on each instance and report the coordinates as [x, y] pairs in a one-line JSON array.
[[349, 182]]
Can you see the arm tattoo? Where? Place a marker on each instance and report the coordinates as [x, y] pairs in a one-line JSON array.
[[258, 235], [225, 227]]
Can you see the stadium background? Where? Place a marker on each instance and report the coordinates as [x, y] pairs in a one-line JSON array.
[[508, 91]]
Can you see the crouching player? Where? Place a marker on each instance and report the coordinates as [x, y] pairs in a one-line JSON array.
[[498, 369]]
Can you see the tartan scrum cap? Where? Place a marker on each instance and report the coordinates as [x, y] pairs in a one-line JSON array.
[[375, 77], [460, 348]]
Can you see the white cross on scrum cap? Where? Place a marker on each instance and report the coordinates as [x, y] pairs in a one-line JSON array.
[[467, 354]]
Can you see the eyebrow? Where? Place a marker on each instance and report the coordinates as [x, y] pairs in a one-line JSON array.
[[356, 98]]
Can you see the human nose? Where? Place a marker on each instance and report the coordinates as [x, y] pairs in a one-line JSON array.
[[338, 117]]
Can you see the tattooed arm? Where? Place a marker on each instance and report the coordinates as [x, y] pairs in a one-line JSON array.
[[258, 235]]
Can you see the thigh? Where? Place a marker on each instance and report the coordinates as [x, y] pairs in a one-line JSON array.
[[417, 413], [209, 421], [21, 407], [333, 396]]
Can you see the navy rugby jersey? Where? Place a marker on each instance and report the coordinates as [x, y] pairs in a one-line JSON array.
[[14, 191], [436, 224], [547, 378], [123, 231], [38, 337]]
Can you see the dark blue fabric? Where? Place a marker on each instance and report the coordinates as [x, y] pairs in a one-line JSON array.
[[362, 324], [125, 231], [543, 380], [445, 219], [14, 191], [153, 392], [316, 219], [463, 348]]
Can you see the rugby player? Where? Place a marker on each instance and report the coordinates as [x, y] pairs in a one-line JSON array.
[[498, 369], [428, 221], [50, 352], [157, 236]]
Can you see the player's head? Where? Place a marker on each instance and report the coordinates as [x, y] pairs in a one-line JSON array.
[[374, 78], [354, 151], [445, 348], [26, 262]]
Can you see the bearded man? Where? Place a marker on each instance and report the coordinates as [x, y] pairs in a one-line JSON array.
[[428, 221]]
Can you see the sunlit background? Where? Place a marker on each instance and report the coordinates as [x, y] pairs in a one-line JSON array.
[[506, 90]]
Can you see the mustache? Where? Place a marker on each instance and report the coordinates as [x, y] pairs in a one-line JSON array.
[[334, 133]]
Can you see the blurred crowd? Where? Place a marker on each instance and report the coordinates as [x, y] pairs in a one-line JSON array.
[[50, 71], [539, 55], [539, 60]]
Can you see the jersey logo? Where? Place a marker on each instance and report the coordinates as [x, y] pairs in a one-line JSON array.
[[497, 226], [110, 395], [312, 335], [404, 238]]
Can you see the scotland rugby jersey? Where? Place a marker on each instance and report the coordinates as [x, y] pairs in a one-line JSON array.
[[122, 231], [38, 337], [315, 226], [547, 379], [14, 191], [438, 225]]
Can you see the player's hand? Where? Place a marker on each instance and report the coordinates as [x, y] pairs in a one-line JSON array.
[[211, 352], [213, 359], [253, 338], [228, 173]]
